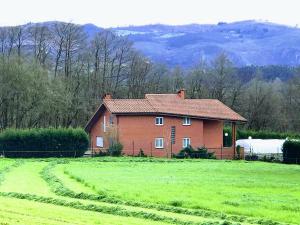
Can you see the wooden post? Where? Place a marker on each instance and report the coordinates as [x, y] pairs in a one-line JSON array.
[[221, 151], [132, 148], [234, 138], [171, 148]]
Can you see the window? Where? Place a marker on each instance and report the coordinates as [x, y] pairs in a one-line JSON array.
[[186, 142], [186, 121], [104, 124], [111, 120], [99, 142], [159, 121], [159, 143]]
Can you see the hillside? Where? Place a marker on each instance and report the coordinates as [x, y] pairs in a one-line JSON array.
[[246, 42]]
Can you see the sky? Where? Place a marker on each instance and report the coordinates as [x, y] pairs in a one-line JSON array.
[[113, 13]]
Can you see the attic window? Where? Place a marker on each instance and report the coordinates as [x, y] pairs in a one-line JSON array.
[[186, 121]]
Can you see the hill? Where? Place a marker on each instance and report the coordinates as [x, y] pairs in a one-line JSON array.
[[246, 42]]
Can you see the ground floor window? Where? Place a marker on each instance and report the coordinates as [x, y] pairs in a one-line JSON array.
[[159, 143], [99, 142], [186, 142]]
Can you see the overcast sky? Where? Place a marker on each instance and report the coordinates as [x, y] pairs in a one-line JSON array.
[[112, 13]]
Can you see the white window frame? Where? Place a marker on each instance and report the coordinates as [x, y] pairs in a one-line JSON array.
[[186, 142], [99, 144], [104, 123], [186, 121], [160, 141], [160, 119]]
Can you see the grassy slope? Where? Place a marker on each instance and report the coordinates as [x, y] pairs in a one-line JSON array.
[[255, 189]]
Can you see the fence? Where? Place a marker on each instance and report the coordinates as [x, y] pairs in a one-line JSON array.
[[40, 154], [219, 153]]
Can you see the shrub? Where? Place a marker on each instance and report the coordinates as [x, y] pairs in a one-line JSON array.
[[238, 152], [291, 151], [101, 154], [115, 149], [190, 152], [141, 153], [244, 134], [44, 142], [252, 157]]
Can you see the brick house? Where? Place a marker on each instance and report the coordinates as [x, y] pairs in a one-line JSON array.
[[162, 124]]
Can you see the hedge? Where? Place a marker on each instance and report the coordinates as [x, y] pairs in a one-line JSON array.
[[43, 142], [245, 134], [291, 151]]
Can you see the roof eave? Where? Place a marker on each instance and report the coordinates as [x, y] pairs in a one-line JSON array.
[[243, 120]]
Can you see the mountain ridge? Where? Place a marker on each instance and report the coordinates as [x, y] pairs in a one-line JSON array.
[[248, 42]]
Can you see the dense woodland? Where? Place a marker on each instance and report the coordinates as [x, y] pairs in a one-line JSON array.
[[55, 75]]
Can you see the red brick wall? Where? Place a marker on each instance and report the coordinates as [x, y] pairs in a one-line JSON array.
[[97, 130], [139, 132]]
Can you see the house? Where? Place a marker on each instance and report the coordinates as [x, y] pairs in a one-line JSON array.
[[162, 124]]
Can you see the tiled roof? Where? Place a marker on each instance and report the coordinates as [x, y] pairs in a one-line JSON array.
[[128, 105], [174, 105]]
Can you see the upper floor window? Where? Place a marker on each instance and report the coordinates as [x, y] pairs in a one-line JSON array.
[[104, 123], [111, 120], [159, 143], [159, 121], [186, 142], [186, 121]]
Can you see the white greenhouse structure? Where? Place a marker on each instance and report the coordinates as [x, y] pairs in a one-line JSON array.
[[261, 146]]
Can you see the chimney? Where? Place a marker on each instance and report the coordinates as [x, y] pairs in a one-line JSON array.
[[181, 93], [107, 96]]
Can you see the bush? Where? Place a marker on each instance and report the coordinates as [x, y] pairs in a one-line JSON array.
[[141, 153], [199, 153], [252, 157], [101, 154], [244, 134], [43, 142], [115, 149], [291, 151]]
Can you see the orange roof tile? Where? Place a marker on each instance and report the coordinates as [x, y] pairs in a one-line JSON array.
[[174, 105]]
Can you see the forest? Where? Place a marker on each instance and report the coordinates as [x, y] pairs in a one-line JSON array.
[[55, 76]]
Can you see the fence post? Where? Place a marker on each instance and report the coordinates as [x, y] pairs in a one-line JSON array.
[[132, 148], [221, 151]]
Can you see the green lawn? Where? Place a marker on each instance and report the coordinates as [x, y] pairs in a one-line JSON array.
[[21, 212], [145, 191], [254, 189]]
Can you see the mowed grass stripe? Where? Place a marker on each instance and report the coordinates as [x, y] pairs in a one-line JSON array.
[[110, 210], [23, 212], [70, 183], [26, 179]]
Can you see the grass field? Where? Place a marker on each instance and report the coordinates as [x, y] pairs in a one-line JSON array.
[[148, 191]]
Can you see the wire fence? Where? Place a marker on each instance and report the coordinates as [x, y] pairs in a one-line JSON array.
[[218, 153], [40, 153]]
